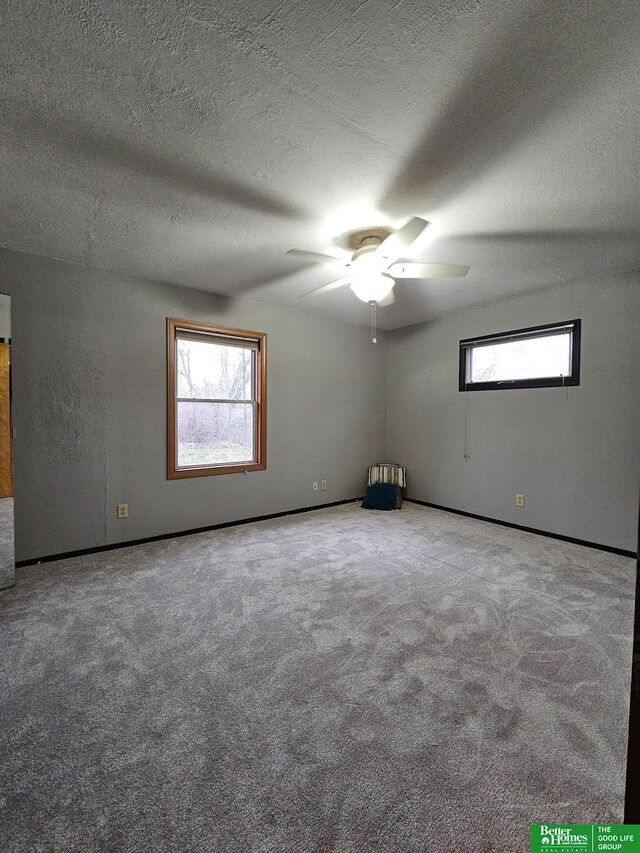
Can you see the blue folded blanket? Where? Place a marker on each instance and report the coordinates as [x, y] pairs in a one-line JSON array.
[[381, 496]]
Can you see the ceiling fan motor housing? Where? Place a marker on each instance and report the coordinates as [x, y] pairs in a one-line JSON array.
[[366, 249], [356, 239]]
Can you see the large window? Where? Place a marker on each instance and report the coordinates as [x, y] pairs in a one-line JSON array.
[[541, 357], [216, 389]]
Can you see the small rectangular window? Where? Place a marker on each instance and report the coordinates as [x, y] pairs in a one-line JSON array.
[[216, 400], [540, 357]]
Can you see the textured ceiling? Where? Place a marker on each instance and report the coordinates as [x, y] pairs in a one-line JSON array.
[[195, 142]]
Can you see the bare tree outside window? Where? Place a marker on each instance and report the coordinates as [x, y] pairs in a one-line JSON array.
[[210, 433], [525, 359]]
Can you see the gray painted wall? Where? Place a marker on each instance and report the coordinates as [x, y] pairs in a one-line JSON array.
[[5, 316], [575, 458], [89, 408]]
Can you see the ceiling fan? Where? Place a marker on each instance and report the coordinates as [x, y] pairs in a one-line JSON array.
[[374, 266]]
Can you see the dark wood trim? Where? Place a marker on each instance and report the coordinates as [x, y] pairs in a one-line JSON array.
[[21, 564], [524, 334], [546, 382], [175, 473], [531, 331], [632, 790], [463, 357], [610, 549], [575, 351]]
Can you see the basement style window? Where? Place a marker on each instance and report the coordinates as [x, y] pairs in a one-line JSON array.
[[216, 400], [540, 357]]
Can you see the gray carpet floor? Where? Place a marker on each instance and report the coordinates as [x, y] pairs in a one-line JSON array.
[[342, 680]]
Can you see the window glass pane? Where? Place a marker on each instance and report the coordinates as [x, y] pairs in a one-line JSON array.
[[208, 370], [215, 433], [531, 358]]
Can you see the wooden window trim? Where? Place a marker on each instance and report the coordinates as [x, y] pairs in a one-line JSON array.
[[175, 473]]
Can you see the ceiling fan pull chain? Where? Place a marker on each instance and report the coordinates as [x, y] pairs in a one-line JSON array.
[[374, 340]]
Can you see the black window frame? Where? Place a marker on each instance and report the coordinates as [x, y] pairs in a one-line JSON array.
[[466, 345]]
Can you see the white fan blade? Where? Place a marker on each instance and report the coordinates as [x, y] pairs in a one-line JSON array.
[[315, 257], [334, 285], [397, 243], [388, 300], [428, 270]]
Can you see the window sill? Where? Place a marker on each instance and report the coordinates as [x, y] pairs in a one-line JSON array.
[[212, 470], [551, 382]]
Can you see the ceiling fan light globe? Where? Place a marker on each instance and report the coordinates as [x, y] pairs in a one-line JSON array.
[[366, 261], [372, 288]]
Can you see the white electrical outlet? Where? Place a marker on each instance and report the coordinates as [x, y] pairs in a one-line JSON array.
[[315, 485], [519, 500], [122, 510], [324, 485]]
